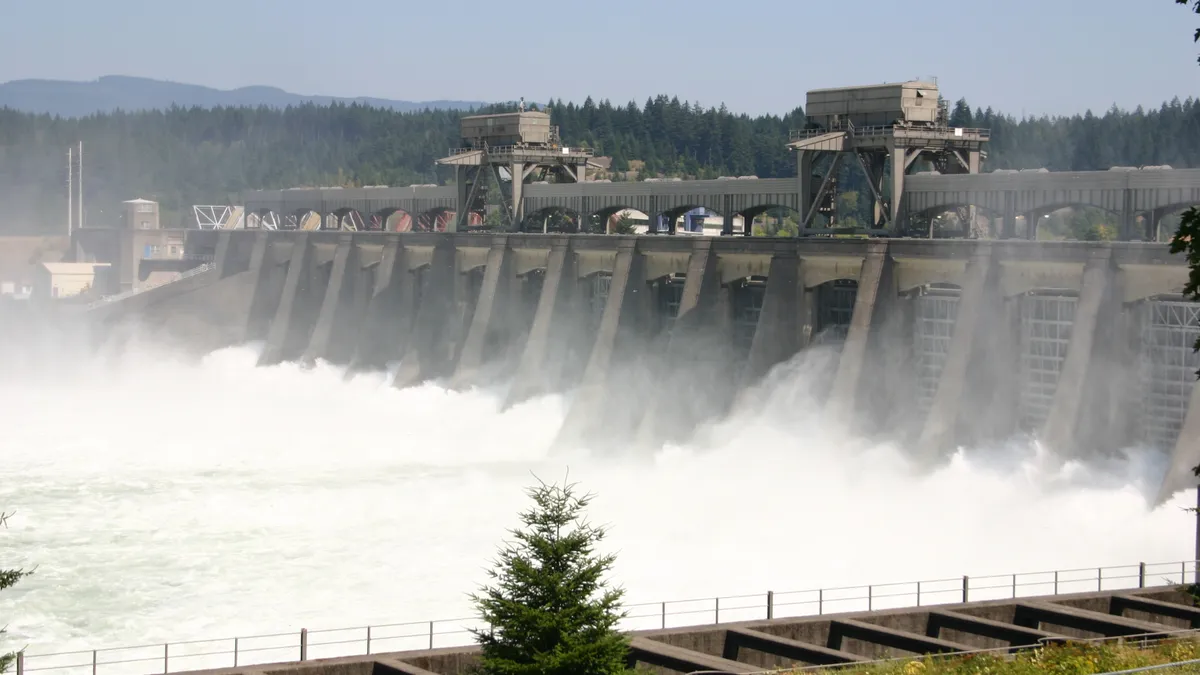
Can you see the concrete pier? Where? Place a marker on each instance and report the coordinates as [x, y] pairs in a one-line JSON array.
[[652, 336]]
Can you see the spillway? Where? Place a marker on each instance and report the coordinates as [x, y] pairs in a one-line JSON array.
[[165, 497]]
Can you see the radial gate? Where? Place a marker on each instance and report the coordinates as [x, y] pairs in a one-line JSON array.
[[1046, 322], [1167, 368], [835, 308], [936, 311]]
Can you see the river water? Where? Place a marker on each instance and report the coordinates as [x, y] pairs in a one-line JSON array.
[[163, 498]]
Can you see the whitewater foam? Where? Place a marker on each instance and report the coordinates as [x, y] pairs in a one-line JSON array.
[[163, 498]]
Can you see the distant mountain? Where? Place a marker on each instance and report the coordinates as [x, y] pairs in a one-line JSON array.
[[77, 99]]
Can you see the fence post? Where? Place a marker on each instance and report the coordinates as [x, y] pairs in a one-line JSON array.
[[368, 640], [1056, 582], [820, 601], [918, 594], [1014, 587], [1099, 578], [664, 615], [21, 663], [303, 644], [717, 610], [95, 660], [235, 652], [966, 588], [1183, 568], [1141, 575], [770, 604], [166, 656], [870, 598], [431, 635]]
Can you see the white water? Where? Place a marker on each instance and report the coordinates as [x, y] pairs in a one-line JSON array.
[[165, 500]]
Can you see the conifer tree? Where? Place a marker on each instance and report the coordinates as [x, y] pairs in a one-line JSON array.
[[8, 578], [550, 611], [1187, 237]]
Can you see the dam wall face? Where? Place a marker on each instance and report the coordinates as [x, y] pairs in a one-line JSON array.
[[940, 342]]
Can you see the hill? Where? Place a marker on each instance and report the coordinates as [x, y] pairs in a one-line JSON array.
[[118, 92], [186, 156]]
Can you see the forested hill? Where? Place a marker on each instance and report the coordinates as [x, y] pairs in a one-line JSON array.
[[182, 157]]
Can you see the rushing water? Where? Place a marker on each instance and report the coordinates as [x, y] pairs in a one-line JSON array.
[[166, 499]]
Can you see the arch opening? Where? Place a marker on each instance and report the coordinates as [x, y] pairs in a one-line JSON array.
[[768, 220]]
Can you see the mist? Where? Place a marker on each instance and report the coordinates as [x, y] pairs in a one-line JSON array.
[[166, 495]]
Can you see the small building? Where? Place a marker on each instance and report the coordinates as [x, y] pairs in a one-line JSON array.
[[64, 279], [141, 214]]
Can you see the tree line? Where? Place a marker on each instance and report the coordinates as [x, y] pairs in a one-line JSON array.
[[181, 157]]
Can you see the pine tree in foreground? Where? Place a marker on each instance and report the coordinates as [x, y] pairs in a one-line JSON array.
[[550, 611], [8, 578]]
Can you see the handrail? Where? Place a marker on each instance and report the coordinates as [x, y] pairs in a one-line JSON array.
[[887, 130], [349, 641]]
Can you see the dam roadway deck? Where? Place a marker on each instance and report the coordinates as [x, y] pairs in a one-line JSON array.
[[1086, 345], [1004, 196]]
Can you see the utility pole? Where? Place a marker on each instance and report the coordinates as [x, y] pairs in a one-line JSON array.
[[80, 184], [1196, 560], [70, 193]]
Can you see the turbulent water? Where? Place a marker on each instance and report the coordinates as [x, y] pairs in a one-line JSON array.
[[166, 499]]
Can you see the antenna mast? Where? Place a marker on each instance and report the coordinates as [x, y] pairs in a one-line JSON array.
[[70, 193], [80, 184]]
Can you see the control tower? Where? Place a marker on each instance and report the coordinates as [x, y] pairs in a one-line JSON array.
[[877, 126], [521, 144]]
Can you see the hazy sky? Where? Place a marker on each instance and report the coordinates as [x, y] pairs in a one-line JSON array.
[[1052, 56]]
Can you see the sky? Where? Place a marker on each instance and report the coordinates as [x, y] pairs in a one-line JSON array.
[[755, 56]]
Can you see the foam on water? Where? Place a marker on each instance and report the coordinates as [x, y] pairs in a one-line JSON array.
[[164, 499]]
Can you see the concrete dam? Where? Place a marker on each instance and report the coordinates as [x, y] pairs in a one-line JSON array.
[[1087, 346]]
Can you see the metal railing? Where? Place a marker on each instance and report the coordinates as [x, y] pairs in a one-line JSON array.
[[360, 640], [890, 130], [511, 149], [195, 271]]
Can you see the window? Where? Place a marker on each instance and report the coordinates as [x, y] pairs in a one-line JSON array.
[[145, 225], [145, 208]]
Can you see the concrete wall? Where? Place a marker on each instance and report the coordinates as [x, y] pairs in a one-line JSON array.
[[626, 318]]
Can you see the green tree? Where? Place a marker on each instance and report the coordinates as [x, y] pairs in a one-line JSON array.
[[550, 611], [1187, 237], [8, 578]]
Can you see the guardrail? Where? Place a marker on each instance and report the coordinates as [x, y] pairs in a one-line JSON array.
[[365, 640], [137, 291], [890, 130]]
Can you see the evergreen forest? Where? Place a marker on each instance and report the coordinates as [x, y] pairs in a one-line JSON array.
[[181, 157]]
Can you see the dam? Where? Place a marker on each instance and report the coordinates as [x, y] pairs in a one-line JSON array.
[[1084, 345]]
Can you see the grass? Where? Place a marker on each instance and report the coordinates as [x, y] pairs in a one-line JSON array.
[[1068, 659]]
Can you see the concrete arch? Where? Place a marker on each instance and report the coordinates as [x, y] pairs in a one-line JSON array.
[[670, 220], [263, 218], [345, 218], [779, 220], [558, 219], [436, 219], [303, 219], [390, 219], [604, 220]]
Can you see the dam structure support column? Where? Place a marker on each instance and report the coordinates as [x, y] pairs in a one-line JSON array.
[[425, 355], [279, 336], [874, 278], [1092, 314], [341, 309], [540, 361], [388, 311], [941, 424], [696, 354], [777, 337], [494, 295], [627, 302]]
